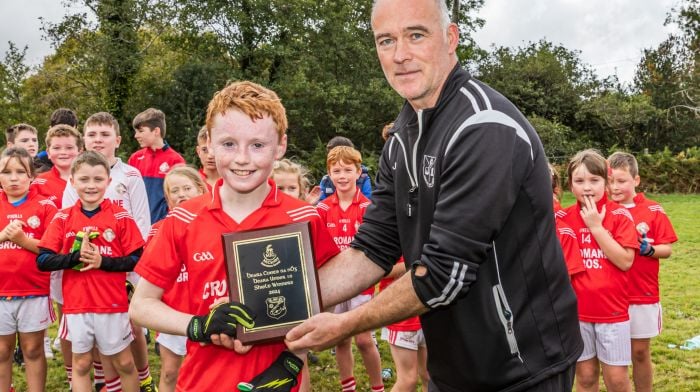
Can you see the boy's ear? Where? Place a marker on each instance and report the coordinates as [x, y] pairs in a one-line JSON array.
[[72, 182], [636, 181], [157, 129], [281, 147]]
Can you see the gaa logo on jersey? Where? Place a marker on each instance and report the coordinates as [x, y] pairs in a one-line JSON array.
[[164, 167], [429, 170], [109, 235], [202, 256], [33, 221], [276, 307]]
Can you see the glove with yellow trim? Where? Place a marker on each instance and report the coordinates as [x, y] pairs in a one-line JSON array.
[[281, 376], [223, 318]]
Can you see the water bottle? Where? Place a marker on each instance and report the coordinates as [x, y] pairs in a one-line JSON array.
[[387, 373]]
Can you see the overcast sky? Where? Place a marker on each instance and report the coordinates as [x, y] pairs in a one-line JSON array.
[[610, 34]]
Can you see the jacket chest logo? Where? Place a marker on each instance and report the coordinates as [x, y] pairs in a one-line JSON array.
[[429, 170]]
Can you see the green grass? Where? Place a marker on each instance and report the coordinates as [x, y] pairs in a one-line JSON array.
[[675, 370]]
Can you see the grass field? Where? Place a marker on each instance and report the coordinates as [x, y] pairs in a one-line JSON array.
[[675, 370]]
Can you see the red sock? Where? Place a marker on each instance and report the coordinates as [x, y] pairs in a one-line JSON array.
[[69, 375], [348, 384], [99, 372], [114, 385], [378, 388]]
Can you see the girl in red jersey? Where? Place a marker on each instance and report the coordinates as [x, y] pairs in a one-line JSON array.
[[180, 184], [25, 309], [607, 239]]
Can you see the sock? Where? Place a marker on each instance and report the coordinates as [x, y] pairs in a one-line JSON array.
[[378, 388], [98, 372], [114, 385], [348, 384], [69, 375], [145, 373]]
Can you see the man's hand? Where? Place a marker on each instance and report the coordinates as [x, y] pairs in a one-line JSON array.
[[320, 332], [281, 376], [221, 319]]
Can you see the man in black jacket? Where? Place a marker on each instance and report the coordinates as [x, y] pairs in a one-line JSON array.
[[463, 193]]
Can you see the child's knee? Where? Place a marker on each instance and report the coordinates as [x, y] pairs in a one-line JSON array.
[[169, 375], [364, 342], [641, 354], [82, 364], [124, 363], [33, 353]]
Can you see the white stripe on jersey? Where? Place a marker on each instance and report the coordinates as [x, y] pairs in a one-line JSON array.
[[47, 202], [567, 231], [39, 181], [365, 204], [302, 212], [322, 206], [560, 214], [60, 215], [182, 214], [623, 211], [657, 208]]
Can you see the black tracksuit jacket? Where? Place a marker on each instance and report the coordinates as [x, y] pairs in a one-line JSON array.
[[463, 188]]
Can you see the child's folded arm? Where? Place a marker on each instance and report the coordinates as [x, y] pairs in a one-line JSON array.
[[48, 260]]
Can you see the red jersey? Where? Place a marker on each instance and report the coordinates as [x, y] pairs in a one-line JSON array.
[[204, 177], [190, 235], [410, 324], [602, 291], [343, 224], [20, 275], [94, 291], [650, 219], [50, 185], [569, 245]]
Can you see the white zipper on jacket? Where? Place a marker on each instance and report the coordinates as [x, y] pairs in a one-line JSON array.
[[415, 145], [414, 184], [503, 309]]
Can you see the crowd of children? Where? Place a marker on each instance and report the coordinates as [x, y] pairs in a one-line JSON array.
[[88, 226]]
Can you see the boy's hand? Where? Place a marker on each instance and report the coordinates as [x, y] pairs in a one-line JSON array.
[[314, 195], [590, 215], [13, 231], [221, 319], [280, 376], [645, 248], [89, 256]]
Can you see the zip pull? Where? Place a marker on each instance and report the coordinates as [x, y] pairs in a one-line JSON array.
[[408, 209]]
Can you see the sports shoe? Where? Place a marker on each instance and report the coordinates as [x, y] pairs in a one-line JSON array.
[[48, 353], [148, 385], [57, 344]]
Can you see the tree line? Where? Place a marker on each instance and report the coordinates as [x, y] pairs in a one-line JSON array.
[[318, 55]]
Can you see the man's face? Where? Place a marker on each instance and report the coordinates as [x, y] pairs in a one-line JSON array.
[[245, 150], [415, 49], [103, 139], [146, 136], [27, 140]]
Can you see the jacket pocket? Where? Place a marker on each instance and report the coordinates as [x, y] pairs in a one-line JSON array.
[[507, 318]]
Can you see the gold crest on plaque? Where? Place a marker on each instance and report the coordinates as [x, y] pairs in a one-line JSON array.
[[270, 258], [276, 307]]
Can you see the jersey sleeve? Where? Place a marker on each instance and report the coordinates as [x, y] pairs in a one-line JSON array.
[[160, 262], [624, 233], [663, 229], [572, 252], [53, 236], [139, 204], [131, 238], [324, 246]]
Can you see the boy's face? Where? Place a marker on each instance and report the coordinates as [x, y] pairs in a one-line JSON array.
[[245, 150], [344, 176], [62, 151], [585, 185], [622, 186], [288, 183], [147, 137], [90, 182], [103, 139], [27, 140], [206, 158]]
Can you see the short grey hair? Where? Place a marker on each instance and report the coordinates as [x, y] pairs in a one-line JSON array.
[[442, 9]]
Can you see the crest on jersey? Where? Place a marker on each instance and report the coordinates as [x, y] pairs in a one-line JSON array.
[[429, 170], [270, 258], [120, 188], [642, 228], [109, 235], [33, 221], [276, 307], [164, 167]]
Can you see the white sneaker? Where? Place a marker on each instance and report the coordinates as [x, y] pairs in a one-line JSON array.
[[47, 348], [57, 344]]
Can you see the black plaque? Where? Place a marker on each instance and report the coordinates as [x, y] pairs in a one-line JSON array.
[[272, 272]]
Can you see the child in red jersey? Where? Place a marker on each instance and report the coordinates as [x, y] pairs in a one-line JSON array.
[[607, 239], [342, 212], [656, 235], [25, 309], [247, 125], [567, 237], [63, 144], [206, 160], [95, 302], [180, 184]]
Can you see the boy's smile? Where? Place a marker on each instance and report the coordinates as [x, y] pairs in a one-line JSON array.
[[90, 183]]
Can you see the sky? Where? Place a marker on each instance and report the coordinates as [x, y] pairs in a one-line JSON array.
[[610, 34]]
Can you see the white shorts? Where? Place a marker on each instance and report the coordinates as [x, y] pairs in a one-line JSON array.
[[110, 332], [352, 303], [25, 315], [57, 286], [175, 343], [610, 342], [645, 320], [405, 339]]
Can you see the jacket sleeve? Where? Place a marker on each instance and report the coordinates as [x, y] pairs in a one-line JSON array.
[[121, 264], [378, 235], [139, 205], [480, 177]]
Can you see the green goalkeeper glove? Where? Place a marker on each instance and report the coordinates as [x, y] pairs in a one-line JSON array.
[[281, 376], [223, 318]]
